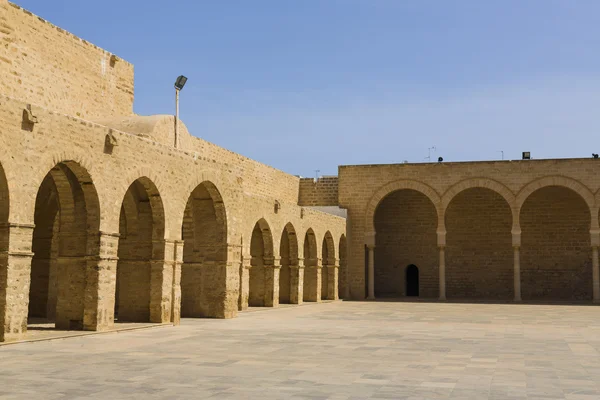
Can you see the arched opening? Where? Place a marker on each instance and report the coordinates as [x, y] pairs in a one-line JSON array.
[[556, 259], [141, 235], [405, 224], [311, 276], [412, 281], [288, 251], [204, 234], [261, 251], [66, 235], [343, 269], [328, 272], [479, 255]]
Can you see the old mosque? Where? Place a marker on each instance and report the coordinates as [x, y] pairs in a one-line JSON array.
[[107, 216]]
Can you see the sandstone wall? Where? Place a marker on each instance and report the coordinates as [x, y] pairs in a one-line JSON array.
[[548, 209], [43, 64], [320, 192]]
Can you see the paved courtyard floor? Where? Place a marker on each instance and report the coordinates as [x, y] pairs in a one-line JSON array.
[[340, 350]]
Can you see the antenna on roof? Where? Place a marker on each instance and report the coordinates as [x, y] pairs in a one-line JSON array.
[[428, 158], [317, 174]]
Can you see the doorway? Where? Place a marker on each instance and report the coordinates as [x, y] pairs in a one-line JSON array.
[[412, 280]]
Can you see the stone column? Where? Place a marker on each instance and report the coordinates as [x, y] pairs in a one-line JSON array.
[[15, 275], [332, 281], [272, 268], [162, 269], [442, 271], [297, 282], [100, 286], [313, 282], [176, 282], [441, 242], [244, 273], [371, 278], [517, 273], [516, 241]]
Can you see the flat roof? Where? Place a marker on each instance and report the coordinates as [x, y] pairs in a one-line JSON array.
[[471, 162]]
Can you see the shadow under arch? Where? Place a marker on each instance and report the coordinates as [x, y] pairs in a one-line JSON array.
[[288, 251], [555, 251], [328, 272], [261, 252], [204, 233], [66, 236], [312, 275], [141, 243], [406, 223]]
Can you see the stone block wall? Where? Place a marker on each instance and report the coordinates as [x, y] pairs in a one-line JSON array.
[[320, 192], [505, 230], [43, 64]]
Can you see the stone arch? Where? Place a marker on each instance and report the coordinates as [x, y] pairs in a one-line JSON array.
[[216, 187], [261, 252], [391, 187], [65, 237], [406, 222], [141, 248], [342, 251], [204, 230], [288, 251], [312, 269], [555, 244], [479, 253], [485, 183], [566, 182], [328, 272]]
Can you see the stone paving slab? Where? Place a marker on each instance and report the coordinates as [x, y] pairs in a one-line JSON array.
[[334, 351]]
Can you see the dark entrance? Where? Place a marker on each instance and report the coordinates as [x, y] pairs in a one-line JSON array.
[[412, 280]]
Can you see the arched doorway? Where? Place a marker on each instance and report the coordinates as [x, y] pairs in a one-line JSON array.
[[66, 234], [141, 235], [556, 259], [288, 251], [343, 269], [412, 281], [479, 253], [311, 277], [261, 251], [204, 234], [328, 272], [405, 224]]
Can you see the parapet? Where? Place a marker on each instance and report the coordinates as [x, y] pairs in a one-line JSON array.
[[319, 192]]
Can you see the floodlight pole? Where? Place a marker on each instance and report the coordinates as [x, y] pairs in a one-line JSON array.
[[176, 117]]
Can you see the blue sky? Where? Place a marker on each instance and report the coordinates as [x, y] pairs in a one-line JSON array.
[[308, 85]]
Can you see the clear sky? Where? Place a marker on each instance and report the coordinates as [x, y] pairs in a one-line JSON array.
[[307, 85]]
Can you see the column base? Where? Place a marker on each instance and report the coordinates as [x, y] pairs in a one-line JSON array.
[[442, 298], [371, 298]]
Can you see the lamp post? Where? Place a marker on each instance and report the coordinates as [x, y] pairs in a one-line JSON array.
[[179, 84]]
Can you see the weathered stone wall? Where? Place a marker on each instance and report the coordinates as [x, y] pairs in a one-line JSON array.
[[536, 220], [479, 254], [95, 168], [406, 224], [556, 261], [319, 192], [43, 64]]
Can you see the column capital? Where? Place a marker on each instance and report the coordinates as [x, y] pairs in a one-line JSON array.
[[297, 266], [370, 239]]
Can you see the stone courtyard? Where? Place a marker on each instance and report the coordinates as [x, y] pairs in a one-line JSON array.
[[337, 350]]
